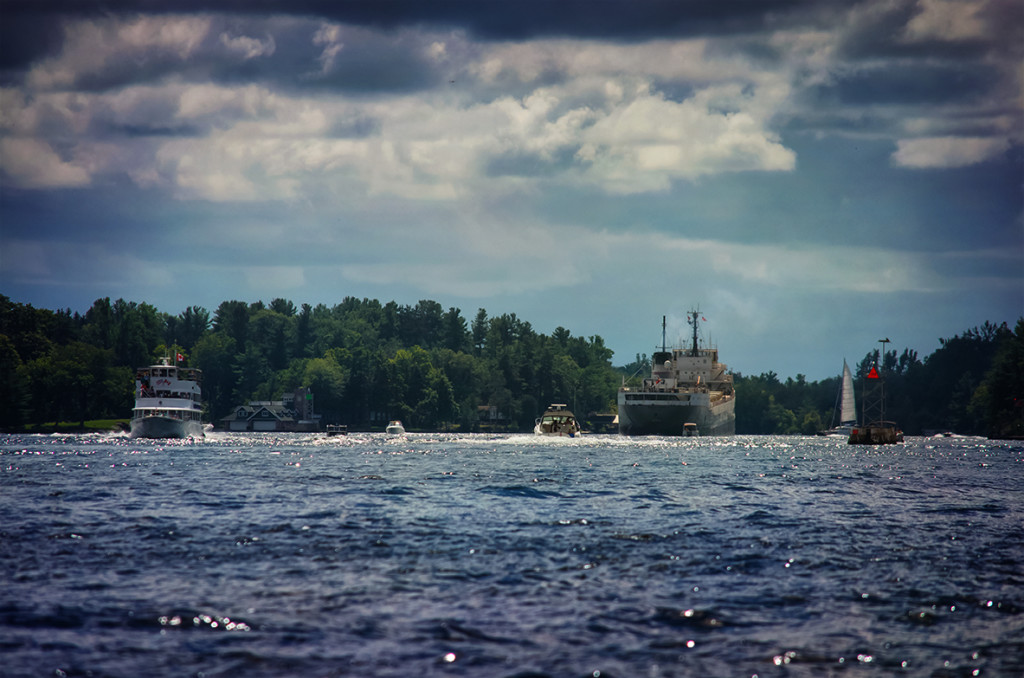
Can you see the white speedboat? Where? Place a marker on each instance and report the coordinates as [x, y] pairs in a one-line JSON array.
[[557, 420], [395, 428], [168, 402]]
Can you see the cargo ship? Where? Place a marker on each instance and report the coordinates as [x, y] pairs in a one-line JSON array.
[[688, 393]]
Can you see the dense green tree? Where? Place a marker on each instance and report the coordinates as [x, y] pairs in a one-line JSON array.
[[999, 401], [283, 306], [187, 327], [214, 354], [303, 334], [32, 331], [99, 324], [138, 328], [465, 373], [73, 383], [811, 423], [232, 319], [251, 370], [781, 419], [455, 335], [268, 331], [479, 330], [327, 378], [12, 393], [408, 373], [754, 402]]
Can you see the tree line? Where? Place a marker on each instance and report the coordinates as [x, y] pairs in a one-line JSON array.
[[364, 361], [973, 384], [435, 369]]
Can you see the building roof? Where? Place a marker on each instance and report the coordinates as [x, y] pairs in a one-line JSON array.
[[262, 410]]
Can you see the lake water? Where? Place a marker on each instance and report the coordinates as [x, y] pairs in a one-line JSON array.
[[510, 556]]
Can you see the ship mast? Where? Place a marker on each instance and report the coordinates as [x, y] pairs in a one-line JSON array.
[[662, 334], [692, 320]]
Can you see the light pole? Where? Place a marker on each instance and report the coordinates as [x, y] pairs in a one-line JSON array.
[[883, 342]]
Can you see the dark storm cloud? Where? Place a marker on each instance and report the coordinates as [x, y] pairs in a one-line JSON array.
[[886, 31], [925, 70], [606, 19], [25, 37], [916, 83], [31, 31], [287, 52]]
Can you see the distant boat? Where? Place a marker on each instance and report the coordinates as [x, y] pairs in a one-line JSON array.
[[874, 429], [168, 402], [846, 404], [337, 430], [876, 433], [557, 420], [395, 428]]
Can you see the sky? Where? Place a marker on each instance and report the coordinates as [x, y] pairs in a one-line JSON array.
[[814, 176]]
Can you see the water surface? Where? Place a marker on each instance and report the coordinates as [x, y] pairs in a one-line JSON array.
[[510, 556]]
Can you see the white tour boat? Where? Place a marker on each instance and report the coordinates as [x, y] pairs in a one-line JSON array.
[[168, 402]]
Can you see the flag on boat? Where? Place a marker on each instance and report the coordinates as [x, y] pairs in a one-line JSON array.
[[180, 357]]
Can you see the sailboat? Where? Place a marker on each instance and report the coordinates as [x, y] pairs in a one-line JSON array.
[[846, 404]]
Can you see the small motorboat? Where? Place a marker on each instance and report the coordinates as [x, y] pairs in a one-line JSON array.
[[690, 429], [395, 428], [557, 420], [337, 430]]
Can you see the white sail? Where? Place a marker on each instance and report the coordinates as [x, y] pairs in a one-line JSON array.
[[848, 406]]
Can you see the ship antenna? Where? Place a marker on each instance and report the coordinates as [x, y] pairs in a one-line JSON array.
[[662, 334]]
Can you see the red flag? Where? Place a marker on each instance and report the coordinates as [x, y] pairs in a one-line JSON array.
[[703, 318], [180, 357], [873, 374]]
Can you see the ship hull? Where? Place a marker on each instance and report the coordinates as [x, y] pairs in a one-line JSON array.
[[165, 427], [667, 416]]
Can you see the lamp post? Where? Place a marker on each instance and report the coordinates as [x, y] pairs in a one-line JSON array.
[[883, 342]]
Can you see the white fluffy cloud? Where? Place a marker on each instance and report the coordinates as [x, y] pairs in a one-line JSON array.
[[33, 164], [630, 141], [91, 47], [946, 20], [947, 151], [622, 134]]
